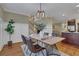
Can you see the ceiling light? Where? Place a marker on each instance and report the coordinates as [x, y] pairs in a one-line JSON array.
[[77, 5], [40, 13], [63, 15]]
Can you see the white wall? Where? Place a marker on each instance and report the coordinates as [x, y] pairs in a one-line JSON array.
[[16, 17], [1, 34], [20, 28], [47, 29], [1, 27]]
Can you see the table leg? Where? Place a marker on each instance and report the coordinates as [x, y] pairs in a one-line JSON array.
[[50, 50], [56, 50]]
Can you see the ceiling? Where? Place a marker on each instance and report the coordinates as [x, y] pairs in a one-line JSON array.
[[59, 11]]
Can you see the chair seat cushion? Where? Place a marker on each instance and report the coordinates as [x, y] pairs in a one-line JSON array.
[[37, 48]]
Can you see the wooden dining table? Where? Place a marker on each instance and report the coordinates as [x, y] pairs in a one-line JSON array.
[[49, 40]]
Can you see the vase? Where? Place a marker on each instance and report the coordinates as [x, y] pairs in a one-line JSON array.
[[38, 31]]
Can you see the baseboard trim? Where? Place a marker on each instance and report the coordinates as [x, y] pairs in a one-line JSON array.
[[14, 43], [1, 49], [6, 45]]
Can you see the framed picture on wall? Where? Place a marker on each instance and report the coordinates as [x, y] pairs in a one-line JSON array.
[[77, 27], [71, 28]]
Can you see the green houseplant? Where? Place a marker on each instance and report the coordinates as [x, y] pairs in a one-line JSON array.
[[10, 30]]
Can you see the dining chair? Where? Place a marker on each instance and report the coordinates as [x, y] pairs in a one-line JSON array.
[[24, 41], [45, 33], [34, 48], [54, 34]]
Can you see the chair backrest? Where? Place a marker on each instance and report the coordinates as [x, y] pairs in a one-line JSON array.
[[45, 33], [29, 43], [54, 34], [24, 39]]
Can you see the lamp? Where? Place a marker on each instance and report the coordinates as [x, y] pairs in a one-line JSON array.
[[40, 13]]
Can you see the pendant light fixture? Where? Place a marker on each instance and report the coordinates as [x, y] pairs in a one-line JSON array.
[[40, 13]]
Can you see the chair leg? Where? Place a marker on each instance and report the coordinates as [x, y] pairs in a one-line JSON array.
[[30, 53], [42, 52], [46, 52], [35, 54], [24, 48]]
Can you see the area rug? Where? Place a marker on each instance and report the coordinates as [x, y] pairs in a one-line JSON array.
[[27, 52]]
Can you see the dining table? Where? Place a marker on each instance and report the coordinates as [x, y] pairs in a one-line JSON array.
[[49, 41]]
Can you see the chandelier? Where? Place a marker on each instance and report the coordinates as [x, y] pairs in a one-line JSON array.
[[40, 13]]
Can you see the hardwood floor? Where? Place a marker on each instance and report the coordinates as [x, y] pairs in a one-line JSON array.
[[16, 49], [68, 49]]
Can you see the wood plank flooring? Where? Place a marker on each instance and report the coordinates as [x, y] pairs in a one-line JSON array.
[[68, 49], [16, 49]]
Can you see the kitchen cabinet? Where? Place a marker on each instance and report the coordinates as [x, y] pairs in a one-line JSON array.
[[71, 38]]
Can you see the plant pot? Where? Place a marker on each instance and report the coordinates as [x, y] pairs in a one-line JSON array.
[[10, 43]]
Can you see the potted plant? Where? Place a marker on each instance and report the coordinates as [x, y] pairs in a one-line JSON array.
[[10, 30], [39, 27]]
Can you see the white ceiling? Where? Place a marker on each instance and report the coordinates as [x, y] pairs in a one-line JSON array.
[[60, 11]]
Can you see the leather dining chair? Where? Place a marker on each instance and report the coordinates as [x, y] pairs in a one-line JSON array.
[[24, 41], [34, 48]]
